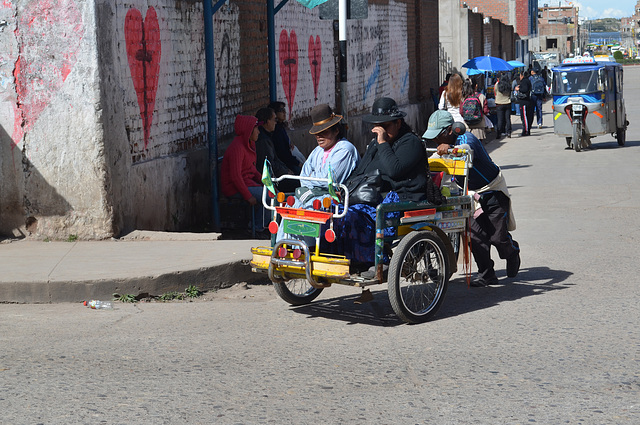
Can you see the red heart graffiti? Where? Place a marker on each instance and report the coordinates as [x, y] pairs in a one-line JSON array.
[[41, 71], [289, 65], [143, 52], [315, 60]]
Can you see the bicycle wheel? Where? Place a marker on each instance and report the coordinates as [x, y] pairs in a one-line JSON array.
[[296, 291], [418, 276]]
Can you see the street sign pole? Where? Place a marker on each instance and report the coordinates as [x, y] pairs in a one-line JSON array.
[[342, 62]]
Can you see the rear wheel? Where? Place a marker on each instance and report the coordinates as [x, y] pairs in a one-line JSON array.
[[418, 276], [621, 135], [577, 135], [296, 291]]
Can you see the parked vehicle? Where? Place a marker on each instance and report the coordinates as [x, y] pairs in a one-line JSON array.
[[423, 250], [588, 101]]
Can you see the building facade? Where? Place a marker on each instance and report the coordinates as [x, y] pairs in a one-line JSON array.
[[558, 30]]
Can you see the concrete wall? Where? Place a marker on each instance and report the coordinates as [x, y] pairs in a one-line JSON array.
[[51, 143], [455, 31]]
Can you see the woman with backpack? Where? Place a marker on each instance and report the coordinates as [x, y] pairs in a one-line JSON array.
[[473, 109], [502, 89]]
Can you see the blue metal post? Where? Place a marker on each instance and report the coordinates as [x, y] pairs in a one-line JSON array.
[[212, 125], [271, 44]]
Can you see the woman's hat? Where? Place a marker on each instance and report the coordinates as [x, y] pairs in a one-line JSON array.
[[323, 118], [384, 110]]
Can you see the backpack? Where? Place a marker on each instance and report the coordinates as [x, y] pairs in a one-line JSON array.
[[538, 87], [471, 110]]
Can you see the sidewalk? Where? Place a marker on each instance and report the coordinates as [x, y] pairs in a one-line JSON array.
[[151, 263]]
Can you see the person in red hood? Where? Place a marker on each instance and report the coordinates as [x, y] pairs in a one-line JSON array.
[[238, 173]]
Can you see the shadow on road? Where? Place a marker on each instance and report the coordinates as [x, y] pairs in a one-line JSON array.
[[460, 299], [376, 313]]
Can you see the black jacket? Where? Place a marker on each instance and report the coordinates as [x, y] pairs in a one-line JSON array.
[[266, 150], [280, 140], [402, 164], [525, 87]]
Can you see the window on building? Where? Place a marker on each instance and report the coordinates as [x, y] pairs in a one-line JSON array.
[[552, 43]]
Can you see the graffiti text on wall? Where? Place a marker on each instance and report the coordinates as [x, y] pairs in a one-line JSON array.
[[39, 74], [143, 52]]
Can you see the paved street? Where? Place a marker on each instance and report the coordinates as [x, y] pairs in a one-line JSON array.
[[558, 344]]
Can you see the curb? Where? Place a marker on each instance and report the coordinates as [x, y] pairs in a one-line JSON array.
[[206, 279]]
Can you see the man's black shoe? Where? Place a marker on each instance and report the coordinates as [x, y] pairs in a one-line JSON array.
[[481, 282], [513, 265]]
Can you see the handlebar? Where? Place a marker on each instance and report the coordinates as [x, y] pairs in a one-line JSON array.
[[345, 201], [451, 151]]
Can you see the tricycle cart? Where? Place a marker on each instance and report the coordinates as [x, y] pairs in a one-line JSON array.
[[423, 251]]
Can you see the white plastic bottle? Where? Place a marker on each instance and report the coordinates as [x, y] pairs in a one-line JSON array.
[[96, 304]]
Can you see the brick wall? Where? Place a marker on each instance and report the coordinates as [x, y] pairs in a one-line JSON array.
[[125, 96], [498, 9], [476, 35], [522, 17], [426, 72]]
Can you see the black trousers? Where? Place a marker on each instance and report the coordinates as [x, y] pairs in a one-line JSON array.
[[504, 118], [526, 114], [490, 228]]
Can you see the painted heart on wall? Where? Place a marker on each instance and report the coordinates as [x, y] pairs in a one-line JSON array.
[[315, 62], [49, 34], [289, 65], [142, 37]]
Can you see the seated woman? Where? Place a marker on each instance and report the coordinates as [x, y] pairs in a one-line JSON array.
[[238, 173], [333, 150], [281, 142], [401, 159], [265, 149]]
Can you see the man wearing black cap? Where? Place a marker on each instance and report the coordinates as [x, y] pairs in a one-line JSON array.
[[396, 151], [399, 156], [493, 218]]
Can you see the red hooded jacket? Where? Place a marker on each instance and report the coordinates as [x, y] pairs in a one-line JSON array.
[[238, 170]]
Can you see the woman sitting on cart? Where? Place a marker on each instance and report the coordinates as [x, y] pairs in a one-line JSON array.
[[333, 151], [397, 154]]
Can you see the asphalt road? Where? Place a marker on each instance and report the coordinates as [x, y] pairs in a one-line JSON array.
[[558, 344]]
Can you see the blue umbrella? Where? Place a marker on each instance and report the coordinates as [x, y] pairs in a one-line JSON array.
[[516, 64], [474, 71], [488, 63]]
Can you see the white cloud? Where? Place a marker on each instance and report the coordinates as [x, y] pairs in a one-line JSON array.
[[588, 12], [613, 13]]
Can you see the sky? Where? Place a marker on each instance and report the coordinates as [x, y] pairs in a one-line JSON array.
[[596, 9]]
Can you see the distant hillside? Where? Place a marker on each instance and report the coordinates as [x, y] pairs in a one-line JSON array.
[[603, 25]]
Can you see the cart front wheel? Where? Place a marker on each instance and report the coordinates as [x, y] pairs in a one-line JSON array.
[[296, 291], [418, 276]]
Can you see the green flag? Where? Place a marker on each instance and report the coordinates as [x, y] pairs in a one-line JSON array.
[[266, 177], [332, 191]]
